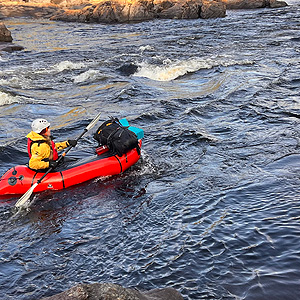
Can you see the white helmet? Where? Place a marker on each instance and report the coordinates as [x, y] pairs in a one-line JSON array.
[[38, 125]]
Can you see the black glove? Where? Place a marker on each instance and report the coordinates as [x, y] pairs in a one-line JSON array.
[[52, 164], [72, 143]]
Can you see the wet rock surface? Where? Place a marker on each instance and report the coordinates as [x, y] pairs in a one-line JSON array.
[[109, 291], [5, 34], [121, 11], [6, 40]]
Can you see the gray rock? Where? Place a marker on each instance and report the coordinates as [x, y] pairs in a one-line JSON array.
[[10, 47], [177, 9], [6, 39], [109, 291], [213, 9], [5, 34], [277, 4]]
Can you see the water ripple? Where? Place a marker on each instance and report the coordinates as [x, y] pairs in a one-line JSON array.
[[212, 208]]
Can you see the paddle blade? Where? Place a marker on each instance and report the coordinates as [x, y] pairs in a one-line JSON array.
[[92, 124], [22, 201]]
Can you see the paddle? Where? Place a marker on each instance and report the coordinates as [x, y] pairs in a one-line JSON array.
[[22, 201]]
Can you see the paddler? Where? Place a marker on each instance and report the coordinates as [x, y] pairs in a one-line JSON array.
[[42, 151]]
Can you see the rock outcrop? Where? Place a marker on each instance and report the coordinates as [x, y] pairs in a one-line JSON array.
[[120, 11], [108, 291], [212, 9], [5, 34], [252, 4], [277, 4], [6, 40]]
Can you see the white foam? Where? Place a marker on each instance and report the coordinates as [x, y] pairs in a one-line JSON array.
[[86, 76], [147, 47], [68, 65], [7, 99], [60, 67], [3, 81], [17, 82], [171, 70]]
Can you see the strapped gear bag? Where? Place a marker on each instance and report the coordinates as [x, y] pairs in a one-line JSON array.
[[117, 137]]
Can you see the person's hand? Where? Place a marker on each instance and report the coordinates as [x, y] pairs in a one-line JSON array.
[[52, 164], [72, 143]]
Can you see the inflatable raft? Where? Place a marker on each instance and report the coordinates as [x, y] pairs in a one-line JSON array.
[[19, 179]]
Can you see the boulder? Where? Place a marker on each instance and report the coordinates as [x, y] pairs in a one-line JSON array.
[[179, 9], [5, 34], [109, 291], [10, 47], [212, 9], [109, 11], [277, 4], [123, 11], [6, 40], [120, 11]]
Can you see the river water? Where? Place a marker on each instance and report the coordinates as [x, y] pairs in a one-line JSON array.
[[212, 209]]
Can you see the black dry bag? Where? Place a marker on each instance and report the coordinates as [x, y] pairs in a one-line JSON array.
[[118, 138]]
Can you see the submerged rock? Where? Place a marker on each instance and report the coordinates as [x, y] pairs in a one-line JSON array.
[[128, 69], [277, 4], [109, 291], [10, 47]]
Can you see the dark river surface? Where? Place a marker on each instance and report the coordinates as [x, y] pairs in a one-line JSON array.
[[212, 209]]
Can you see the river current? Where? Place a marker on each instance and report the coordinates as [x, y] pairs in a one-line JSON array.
[[212, 209]]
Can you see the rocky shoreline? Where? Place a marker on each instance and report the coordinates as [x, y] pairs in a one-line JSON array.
[[119, 11], [122, 11]]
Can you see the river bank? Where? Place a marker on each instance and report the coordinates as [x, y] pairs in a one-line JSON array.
[[120, 11]]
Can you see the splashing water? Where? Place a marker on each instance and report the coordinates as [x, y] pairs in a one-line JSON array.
[[172, 70]]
